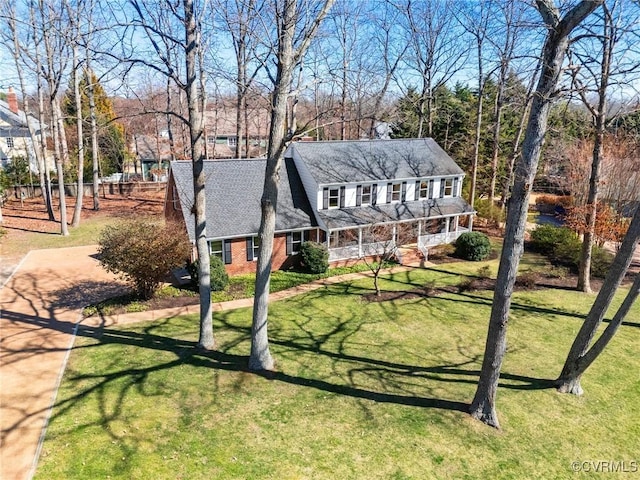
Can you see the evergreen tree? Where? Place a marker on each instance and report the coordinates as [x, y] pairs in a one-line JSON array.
[[111, 136]]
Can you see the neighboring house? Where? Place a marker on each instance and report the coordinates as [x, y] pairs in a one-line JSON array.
[[333, 192], [222, 136], [15, 139]]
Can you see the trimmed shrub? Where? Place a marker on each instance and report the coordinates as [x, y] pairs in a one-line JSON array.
[[563, 247], [314, 257], [474, 246], [601, 261], [567, 251], [219, 277], [546, 238], [143, 253]]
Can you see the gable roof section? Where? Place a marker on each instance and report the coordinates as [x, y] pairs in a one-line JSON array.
[[234, 190], [16, 123], [374, 160]]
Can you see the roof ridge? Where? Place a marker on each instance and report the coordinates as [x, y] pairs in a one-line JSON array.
[[366, 140], [226, 160]]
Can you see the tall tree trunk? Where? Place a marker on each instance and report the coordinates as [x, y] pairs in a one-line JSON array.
[[260, 358], [47, 192], [58, 147], [476, 143], [599, 113], [172, 143], [287, 59], [196, 131], [77, 211], [580, 356], [584, 270], [95, 159], [37, 140], [556, 43], [497, 118]]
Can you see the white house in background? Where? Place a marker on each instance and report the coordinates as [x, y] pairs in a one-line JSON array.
[[15, 139], [357, 196]]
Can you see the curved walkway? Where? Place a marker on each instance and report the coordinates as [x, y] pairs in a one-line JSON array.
[[40, 308]]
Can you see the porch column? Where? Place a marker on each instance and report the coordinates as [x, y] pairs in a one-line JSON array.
[[471, 222], [419, 232], [393, 235], [360, 242], [447, 235]]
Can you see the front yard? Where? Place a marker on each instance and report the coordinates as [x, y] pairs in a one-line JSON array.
[[362, 390]]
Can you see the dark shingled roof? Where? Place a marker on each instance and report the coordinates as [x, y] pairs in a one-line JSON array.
[[234, 189], [371, 160], [393, 212]]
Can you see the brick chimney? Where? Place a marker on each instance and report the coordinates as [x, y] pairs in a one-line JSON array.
[[12, 100]]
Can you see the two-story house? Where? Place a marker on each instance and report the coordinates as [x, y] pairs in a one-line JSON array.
[[337, 192]]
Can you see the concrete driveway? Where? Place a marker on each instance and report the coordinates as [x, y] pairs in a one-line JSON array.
[[40, 307]]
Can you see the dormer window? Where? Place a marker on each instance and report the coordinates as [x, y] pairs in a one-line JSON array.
[[396, 192], [423, 189], [10, 142], [448, 187], [332, 197], [232, 141], [365, 199]]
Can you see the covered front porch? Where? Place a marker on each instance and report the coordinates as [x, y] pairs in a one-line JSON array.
[[383, 239]]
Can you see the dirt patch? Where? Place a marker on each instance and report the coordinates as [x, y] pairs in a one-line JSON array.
[[25, 221], [30, 215]]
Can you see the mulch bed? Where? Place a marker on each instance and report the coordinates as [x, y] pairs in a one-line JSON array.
[[471, 284]]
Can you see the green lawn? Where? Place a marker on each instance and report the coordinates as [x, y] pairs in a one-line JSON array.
[[362, 390]]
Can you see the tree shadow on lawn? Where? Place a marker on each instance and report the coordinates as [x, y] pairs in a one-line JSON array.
[[391, 376], [385, 381]]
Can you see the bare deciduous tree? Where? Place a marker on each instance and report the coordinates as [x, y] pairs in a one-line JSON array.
[[292, 43], [439, 52], [583, 352], [601, 65], [174, 33], [553, 54]]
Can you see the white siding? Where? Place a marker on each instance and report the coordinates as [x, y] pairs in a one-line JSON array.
[[411, 190]]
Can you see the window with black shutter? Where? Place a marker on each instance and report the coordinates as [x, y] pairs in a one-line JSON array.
[[294, 241], [358, 195], [374, 194], [342, 197], [403, 195], [227, 258]]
